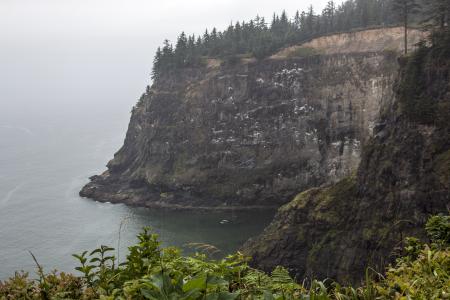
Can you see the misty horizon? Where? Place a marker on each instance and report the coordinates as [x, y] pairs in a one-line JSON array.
[[70, 52]]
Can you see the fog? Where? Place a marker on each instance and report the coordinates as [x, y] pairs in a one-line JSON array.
[[70, 72], [60, 56]]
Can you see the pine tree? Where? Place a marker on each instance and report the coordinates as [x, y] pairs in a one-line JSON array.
[[285, 26], [157, 64], [405, 8], [438, 12], [167, 62], [206, 41], [284, 20], [310, 20], [262, 24], [181, 50], [261, 39], [191, 55], [167, 49], [328, 15], [303, 23], [213, 35], [297, 20], [362, 13], [237, 38]]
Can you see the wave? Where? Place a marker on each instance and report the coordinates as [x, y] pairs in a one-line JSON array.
[[9, 194], [23, 129]]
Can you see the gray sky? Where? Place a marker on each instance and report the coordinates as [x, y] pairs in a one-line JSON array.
[[74, 54], [81, 18]]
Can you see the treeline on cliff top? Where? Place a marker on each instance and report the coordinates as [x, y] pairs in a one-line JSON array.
[[258, 38]]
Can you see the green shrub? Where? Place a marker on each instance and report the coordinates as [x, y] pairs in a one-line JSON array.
[[438, 229], [152, 272], [302, 52], [423, 85]]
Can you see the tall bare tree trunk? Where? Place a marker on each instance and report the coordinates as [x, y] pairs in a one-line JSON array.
[[406, 28]]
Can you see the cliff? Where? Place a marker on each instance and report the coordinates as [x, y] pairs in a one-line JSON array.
[[253, 133], [404, 176]]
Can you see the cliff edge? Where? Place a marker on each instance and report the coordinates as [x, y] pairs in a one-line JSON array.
[[251, 133], [404, 177]]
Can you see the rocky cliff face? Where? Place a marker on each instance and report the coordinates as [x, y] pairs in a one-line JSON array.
[[252, 133], [404, 177]]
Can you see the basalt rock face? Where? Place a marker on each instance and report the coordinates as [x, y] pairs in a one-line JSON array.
[[404, 177], [252, 134]]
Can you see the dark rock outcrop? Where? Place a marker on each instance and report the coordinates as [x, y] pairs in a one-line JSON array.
[[404, 176], [252, 134]]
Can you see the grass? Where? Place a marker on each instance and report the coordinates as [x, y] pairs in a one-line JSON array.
[[302, 52]]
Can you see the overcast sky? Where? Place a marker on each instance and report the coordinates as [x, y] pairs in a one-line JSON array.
[[57, 18], [80, 52]]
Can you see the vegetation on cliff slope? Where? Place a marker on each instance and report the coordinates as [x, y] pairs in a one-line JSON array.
[[257, 38], [425, 81], [403, 177], [152, 272]]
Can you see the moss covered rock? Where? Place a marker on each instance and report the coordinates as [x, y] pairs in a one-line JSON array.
[[403, 177]]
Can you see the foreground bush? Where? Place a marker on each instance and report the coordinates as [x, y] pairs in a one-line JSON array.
[[152, 272]]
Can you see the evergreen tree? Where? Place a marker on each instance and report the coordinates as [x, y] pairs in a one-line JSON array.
[[261, 40], [237, 38], [362, 13], [303, 23], [157, 64], [206, 41], [297, 20], [328, 15], [405, 9], [262, 24], [284, 20], [167, 49], [191, 55], [438, 12], [167, 62], [310, 20], [181, 50]]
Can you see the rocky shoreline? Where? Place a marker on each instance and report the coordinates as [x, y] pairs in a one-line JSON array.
[[154, 200], [254, 134]]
